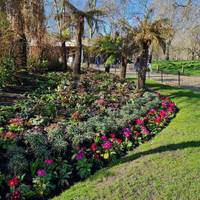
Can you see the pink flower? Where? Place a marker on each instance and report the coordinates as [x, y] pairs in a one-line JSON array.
[[170, 110], [48, 162], [145, 130], [152, 111], [100, 101], [163, 113], [107, 145], [103, 137], [158, 119], [41, 172], [139, 122], [164, 104], [172, 105], [158, 94], [126, 132], [16, 121], [79, 155]]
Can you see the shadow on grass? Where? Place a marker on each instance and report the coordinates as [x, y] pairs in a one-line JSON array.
[[161, 149]]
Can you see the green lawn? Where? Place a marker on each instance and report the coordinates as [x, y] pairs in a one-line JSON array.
[[167, 167], [191, 68]]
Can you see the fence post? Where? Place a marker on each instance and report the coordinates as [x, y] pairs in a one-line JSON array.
[[179, 78], [183, 70], [161, 76]]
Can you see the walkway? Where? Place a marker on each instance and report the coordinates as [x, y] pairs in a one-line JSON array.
[[189, 82]]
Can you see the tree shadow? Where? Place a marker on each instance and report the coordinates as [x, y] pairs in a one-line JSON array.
[[161, 149]]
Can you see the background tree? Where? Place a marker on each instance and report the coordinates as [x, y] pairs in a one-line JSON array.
[[63, 22], [78, 19], [149, 32], [16, 17]]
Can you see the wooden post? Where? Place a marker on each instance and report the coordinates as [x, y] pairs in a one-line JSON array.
[[179, 78]]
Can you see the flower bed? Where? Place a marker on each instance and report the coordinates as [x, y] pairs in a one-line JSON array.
[[63, 135]]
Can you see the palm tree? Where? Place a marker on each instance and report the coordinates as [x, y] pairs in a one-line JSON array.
[[78, 19], [147, 33], [63, 21], [108, 47]]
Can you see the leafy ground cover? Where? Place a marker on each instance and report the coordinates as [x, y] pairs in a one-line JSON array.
[[191, 68], [60, 134], [166, 167]]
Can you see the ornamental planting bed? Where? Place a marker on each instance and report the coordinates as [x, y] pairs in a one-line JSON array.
[[59, 135]]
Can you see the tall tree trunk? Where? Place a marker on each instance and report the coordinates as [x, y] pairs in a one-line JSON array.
[[124, 67], [143, 68], [168, 50], [64, 56], [20, 53], [78, 52], [15, 12]]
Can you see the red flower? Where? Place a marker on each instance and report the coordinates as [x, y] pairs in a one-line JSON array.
[[119, 141], [94, 147], [163, 113], [112, 135], [14, 181], [96, 156], [158, 119], [16, 195], [137, 134]]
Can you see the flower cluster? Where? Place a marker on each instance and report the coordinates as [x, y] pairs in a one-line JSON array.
[[16, 121], [138, 130]]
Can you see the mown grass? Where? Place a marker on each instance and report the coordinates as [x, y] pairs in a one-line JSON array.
[[167, 167], [191, 68]]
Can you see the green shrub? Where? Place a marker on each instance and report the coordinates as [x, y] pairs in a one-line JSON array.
[[18, 163], [6, 71], [37, 66]]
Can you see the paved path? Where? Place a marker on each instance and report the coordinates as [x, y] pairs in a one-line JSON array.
[[190, 82]]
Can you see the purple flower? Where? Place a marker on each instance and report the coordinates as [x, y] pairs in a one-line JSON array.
[[126, 132], [41, 172], [145, 130], [48, 162], [79, 155], [103, 137], [107, 145]]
